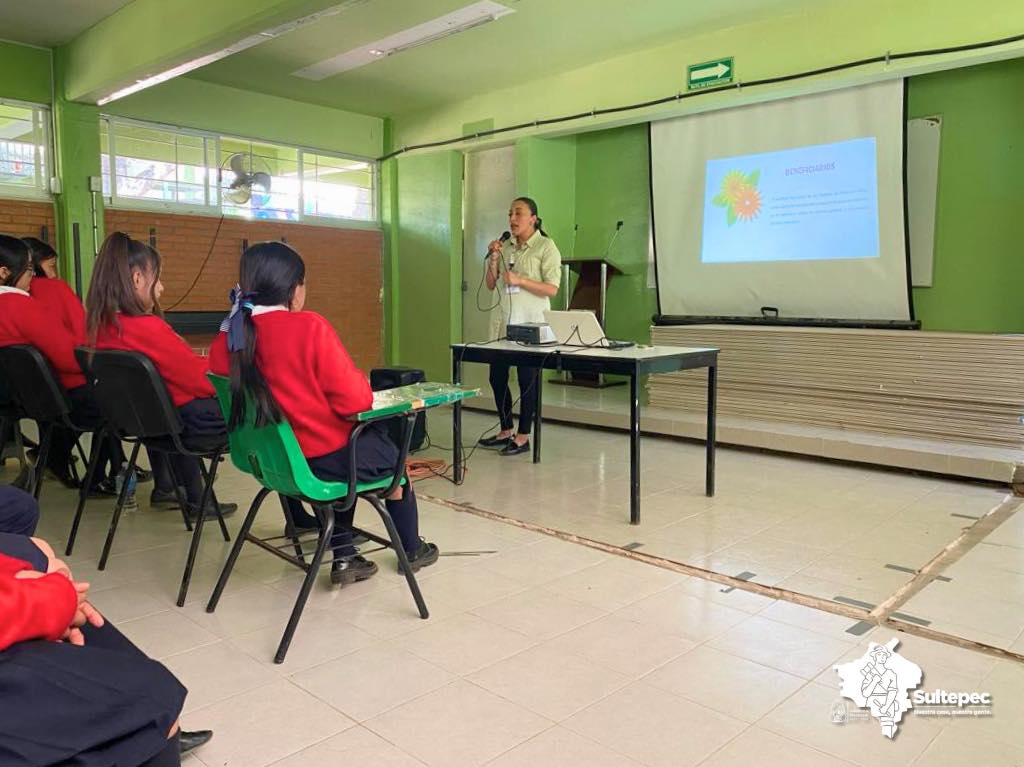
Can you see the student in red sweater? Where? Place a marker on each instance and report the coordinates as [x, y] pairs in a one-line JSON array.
[[73, 689], [49, 289], [23, 320], [293, 366], [124, 314]]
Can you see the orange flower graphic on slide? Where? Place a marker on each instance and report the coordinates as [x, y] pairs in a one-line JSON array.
[[739, 196]]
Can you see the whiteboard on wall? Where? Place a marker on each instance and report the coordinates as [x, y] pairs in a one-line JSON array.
[[923, 139]]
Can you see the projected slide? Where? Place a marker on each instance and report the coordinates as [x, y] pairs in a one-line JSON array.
[[809, 203]]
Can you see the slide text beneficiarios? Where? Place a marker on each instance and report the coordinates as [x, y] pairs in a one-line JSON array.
[[811, 168]]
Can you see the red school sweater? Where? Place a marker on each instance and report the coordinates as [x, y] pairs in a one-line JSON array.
[[310, 374], [33, 608], [182, 369], [24, 320], [60, 301]]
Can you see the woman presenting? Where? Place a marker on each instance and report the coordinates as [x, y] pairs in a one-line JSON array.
[[525, 270]]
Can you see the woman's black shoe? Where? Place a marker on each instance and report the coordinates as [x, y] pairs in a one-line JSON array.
[[352, 570], [493, 441], [143, 475], [514, 449], [193, 739]]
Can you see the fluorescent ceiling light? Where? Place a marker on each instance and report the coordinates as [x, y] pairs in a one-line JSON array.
[[471, 16], [241, 45]]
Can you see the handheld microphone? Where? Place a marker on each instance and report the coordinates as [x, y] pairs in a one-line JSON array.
[[505, 237]]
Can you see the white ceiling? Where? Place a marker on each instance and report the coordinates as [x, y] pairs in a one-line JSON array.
[[52, 22]]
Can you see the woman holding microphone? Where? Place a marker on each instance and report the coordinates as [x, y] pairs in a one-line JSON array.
[[525, 269]]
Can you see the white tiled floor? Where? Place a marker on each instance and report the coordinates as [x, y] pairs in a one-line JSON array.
[[541, 652]]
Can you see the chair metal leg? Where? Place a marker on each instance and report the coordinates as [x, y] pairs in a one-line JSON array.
[[236, 549], [44, 453], [326, 515], [121, 496], [83, 490], [289, 522], [197, 532], [403, 559], [208, 477], [179, 492]]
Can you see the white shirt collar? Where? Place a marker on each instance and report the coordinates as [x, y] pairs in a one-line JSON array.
[[9, 289], [257, 310]]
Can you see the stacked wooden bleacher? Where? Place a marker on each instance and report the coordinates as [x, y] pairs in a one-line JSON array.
[[950, 387]]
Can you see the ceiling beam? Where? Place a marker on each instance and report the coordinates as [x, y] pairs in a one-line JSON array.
[[149, 39]]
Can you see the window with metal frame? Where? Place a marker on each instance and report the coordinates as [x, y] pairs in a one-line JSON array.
[[147, 165], [24, 150]]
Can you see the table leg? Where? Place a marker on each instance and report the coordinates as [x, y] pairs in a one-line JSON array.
[[709, 460], [457, 422], [634, 450], [537, 416]]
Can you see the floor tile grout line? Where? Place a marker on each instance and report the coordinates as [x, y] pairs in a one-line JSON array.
[[772, 592]]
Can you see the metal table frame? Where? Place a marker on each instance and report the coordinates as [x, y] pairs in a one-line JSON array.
[[633, 362]]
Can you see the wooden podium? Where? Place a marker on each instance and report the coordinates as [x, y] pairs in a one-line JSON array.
[[589, 294]]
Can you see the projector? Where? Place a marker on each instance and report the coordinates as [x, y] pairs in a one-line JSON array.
[[530, 333]]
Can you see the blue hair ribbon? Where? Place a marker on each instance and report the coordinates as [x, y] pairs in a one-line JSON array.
[[234, 323]]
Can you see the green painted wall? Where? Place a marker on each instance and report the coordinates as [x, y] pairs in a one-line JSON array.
[[24, 73], [821, 35], [427, 254], [208, 106], [77, 150], [978, 270], [612, 184]]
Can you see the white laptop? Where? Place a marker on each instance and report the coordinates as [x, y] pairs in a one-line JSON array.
[[580, 328]]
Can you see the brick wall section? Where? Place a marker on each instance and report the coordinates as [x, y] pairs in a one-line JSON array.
[[343, 268], [24, 218]]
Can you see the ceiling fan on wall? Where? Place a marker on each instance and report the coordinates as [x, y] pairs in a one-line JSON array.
[[241, 174]]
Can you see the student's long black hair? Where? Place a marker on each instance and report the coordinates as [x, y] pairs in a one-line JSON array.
[[15, 255], [269, 273], [41, 252], [532, 205]]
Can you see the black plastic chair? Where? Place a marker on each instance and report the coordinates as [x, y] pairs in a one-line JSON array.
[[35, 392], [138, 409]]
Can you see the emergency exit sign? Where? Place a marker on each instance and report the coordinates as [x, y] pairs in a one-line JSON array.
[[709, 74]]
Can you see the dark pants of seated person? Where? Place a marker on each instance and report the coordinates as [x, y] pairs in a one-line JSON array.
[[19, 512], [85, 413], [503, 396], [202, 424], [376, 456], [102, 704]]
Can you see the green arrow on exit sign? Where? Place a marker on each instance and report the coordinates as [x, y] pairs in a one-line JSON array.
[[709, 74]]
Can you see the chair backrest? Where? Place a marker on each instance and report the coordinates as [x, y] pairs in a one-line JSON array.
[[272, 453], [32, 384], [130, 392]]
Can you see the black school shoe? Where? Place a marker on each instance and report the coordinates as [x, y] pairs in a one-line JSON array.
[[424, 556], [513, 449], [188, 740], [226, 510], [352, 570], [165, 498], [493, 441]]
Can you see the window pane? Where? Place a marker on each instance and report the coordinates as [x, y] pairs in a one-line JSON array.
[[259, 180], [154, 164], [21, 138], [105, 156], [336, 187]]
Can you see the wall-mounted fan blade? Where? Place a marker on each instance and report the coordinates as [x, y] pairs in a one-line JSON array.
[[262, 180], [239, 196], [237, 163]]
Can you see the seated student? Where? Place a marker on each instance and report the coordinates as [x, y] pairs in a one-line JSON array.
[[124, 313], [24, 320], [292, 365], [19, 512], [73, 689], [49, 289]]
